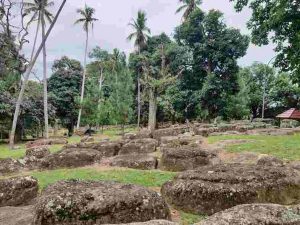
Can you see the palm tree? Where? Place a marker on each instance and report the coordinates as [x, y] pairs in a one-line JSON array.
[[141, 34], [38, 9], [189, 6], [88, 20], [26, 77], [35, 9]]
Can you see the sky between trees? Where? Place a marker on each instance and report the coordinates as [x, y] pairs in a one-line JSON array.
[[111, 30]]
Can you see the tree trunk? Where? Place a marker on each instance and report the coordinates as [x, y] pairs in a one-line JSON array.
[[139, 102], [139, 96], [45, 76], [27, 73], [35, 38], [263, 101], [83, 79], [101, 80], [152, 110]]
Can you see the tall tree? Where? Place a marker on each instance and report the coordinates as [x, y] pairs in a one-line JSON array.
[[140, 34], [87, 20], [188, 6], [64, 89], [216, 49], [27, 74], [260, 81], [276, 21], [39, 10]]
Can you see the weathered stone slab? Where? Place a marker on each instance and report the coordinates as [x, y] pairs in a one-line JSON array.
[[139, 146], [211, 189], [18, 191], [85, 203], [256, 214], [186, 158], [135, 161]]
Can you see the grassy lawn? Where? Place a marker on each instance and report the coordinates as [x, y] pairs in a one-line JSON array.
[[284, 147], [5, 152]]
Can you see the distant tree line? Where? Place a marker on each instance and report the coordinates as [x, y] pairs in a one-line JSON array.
[[193, 75]]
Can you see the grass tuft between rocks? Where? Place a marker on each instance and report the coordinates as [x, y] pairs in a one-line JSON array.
[[154, 178]]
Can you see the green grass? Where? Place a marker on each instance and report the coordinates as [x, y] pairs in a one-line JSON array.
[[140, 177], [5, 152], [114, 133], [189, 219], [286, 147]]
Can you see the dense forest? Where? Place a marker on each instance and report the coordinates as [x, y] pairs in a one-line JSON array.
[[193, 75]]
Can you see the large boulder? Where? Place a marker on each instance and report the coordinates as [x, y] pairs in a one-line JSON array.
[[266, 160], [256, 214], [143, 133], [135, 161], [171, 131], [139, 146], [18, 191], [152, 222], [215, 188], [186, 158], [78, 202], [71, 158], [16, 215], [34, 157], [177, 141], [8, 166], [104, 148], [205, 131], [38, 152]]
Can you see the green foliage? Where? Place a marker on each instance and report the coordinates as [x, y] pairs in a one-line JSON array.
[[141, 31], [109, 92], [87, 18], [276, 21], [189, 6], [259, 78], [213, 76], [63, 87], [285, 93]]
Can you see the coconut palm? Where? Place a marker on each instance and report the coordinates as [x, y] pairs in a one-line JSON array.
[[35, 9], [38, 9], [87, 20], [188, 6], [140, 34]]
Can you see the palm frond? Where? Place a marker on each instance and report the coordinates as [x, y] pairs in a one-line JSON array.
[[181, 8], [131, 36]]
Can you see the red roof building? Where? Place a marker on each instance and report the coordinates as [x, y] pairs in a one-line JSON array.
[[293, 114]]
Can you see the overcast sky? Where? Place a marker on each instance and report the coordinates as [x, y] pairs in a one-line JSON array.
[[111, 30]]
